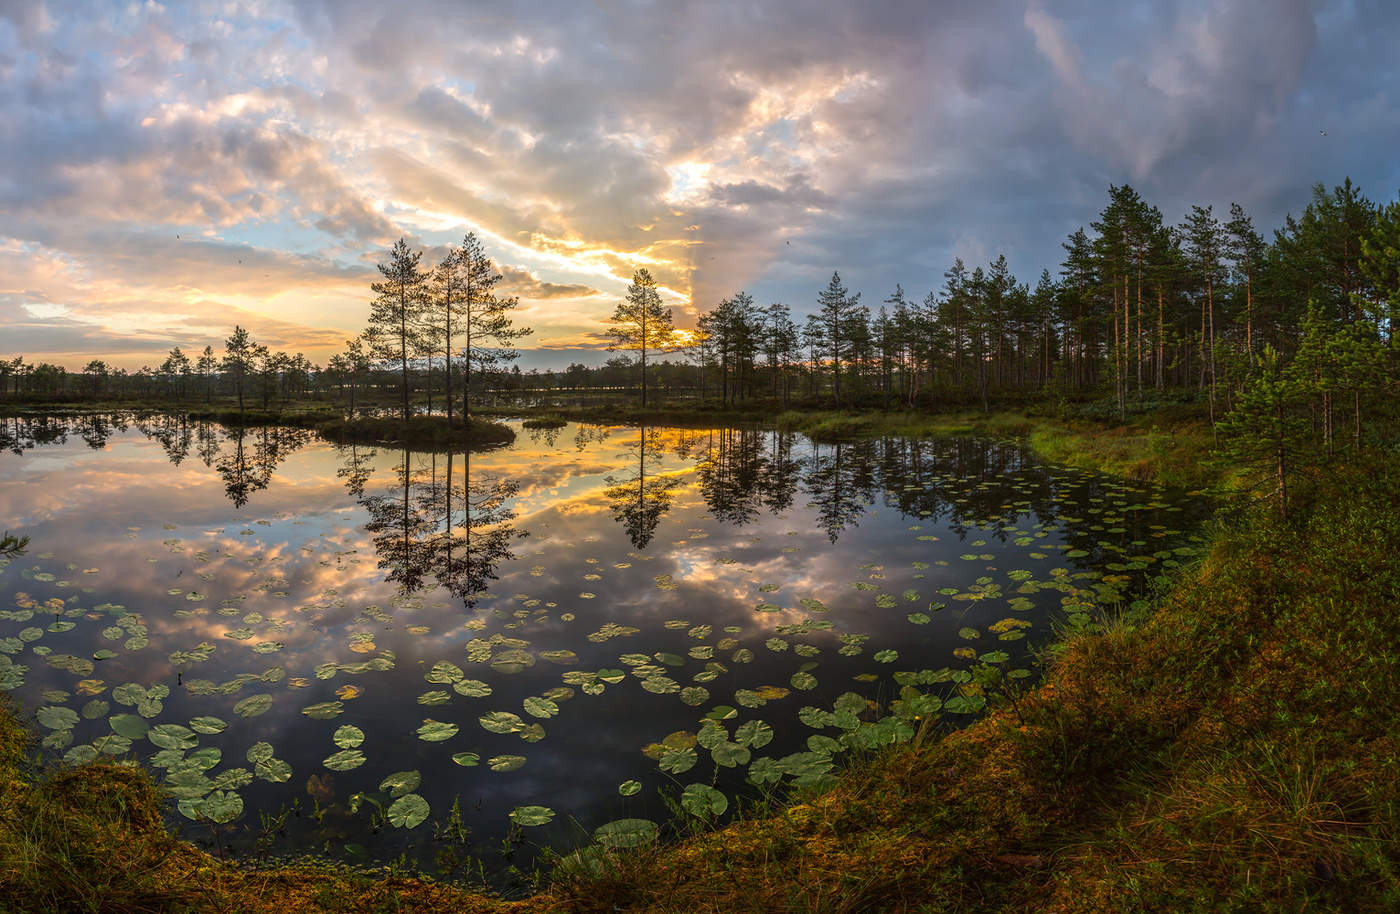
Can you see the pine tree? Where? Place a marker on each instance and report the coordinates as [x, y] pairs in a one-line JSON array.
[[837, 307], [1380, 264], [396, 313], [1204, 245], [640, 323], [176, 365], [239, 353], [1246, 249], [1263, 432], [484, 319], [206, 366]]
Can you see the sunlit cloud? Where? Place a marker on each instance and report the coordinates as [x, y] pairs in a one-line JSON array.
[[173, 170]]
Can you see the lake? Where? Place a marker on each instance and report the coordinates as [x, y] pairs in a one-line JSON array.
[[373, 653]]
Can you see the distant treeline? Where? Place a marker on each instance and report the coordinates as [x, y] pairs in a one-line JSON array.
[[1136, 306]]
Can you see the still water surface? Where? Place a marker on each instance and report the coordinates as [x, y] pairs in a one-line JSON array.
[[558, 629]]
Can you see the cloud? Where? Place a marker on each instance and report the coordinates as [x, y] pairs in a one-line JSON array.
[[722, 145], [526, 285]]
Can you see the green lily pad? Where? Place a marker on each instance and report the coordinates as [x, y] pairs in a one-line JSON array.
[[348, 737], [531, 815], [623, 833], [501, 722], [505, 762], [259, 752], [703, 801], [131, 726], [400, 783], [435, 731], [730, 755], [273, 770], [253, 705], [541, 707], [173, 736], [208, 725], [408, 811], [678, 761], [57, 718], [444, 673], [629, 788], [345, 760], [471, 688], [754, 733]]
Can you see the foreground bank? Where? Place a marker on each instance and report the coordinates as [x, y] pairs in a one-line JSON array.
[[1230, 750]]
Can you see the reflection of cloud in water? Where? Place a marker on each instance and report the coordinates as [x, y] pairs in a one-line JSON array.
[[316, 552]]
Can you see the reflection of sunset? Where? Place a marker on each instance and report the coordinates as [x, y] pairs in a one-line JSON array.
[[728, 566]]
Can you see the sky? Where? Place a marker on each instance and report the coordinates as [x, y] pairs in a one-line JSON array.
[[169, 171]]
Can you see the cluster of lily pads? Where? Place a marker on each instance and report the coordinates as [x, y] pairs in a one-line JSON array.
[[1089, 562]]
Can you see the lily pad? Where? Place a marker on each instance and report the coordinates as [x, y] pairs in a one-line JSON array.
[[541, 707], [173, 736], [505, 762], [131, 726], [531, 815], [703, 801], [253, 705], [345, 760], [623, 833], [400, 783], [348, 737], [501, 722], [435, 731], [408, 811]]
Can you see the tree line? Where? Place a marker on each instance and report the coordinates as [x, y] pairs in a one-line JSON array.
[[1136, 307]]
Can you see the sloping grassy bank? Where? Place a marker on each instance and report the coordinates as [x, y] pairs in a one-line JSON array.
[[1239, 749], [92, 839]]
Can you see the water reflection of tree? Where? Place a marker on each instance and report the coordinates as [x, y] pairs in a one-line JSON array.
[[476, 533], [20, 433], [590, 434], [173, 433], [96, 430], [252, 459], [431, 525], [400, 530], [840, 481], [548, 437], [641, 499], [207, 437], [357, 468], [746, 473]]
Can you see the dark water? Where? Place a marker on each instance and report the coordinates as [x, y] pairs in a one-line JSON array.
[[608, 586]]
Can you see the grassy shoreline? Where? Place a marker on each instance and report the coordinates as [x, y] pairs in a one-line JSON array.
[[1169, 446]]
